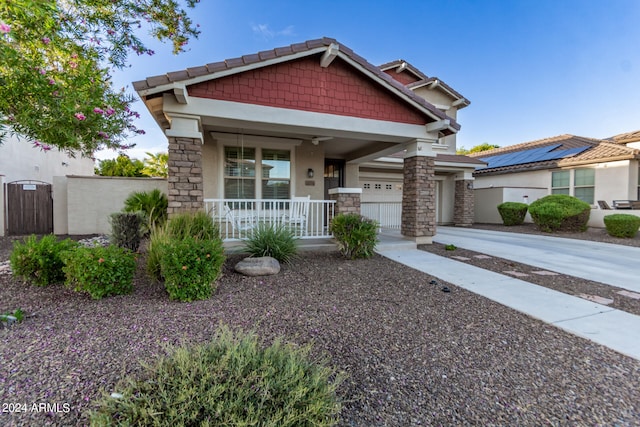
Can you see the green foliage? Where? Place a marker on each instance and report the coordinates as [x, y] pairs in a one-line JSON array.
[[485, 146], [450, 247], [513, 213], [356, 235], [126, 229], [55, 63], [156, 165], [38, 261], [198, 225], [190, 267], [100, 271], [153, 204], [275, 241], [120, 166], [560, 212], [158, 238], [622, 225], [232, 381]]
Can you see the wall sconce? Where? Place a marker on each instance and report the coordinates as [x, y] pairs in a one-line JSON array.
[[309, 173], [470, 186]]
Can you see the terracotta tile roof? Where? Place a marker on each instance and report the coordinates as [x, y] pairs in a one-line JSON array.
[[625, 138], [423, 78], [598, 151], [156, 82]]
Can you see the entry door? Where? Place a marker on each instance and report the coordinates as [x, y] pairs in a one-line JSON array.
[[438, 202], [333, 175]]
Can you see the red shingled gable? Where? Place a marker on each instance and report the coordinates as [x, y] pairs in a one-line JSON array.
[[403, 77], [304, 85]]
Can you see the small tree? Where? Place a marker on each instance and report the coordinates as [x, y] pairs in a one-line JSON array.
[[156, 165], [122, 165], [485, 146]]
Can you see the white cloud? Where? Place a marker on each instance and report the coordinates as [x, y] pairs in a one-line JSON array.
[[266, 33]]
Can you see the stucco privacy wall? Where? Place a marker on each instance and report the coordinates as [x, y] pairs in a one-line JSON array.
[[82, 204]]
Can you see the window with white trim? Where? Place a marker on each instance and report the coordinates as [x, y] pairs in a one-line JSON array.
[[584, 184], [560, 182], [241, 168]]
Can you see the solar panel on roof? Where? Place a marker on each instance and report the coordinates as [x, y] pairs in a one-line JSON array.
[[531, 156]]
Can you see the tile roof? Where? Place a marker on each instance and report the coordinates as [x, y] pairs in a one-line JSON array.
[[155, 83], [625, 138], [598, 151], [423, 78], [449, 158]]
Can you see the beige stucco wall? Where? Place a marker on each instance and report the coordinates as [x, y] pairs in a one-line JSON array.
[[308, 156], [90, 200], [2, 207], [613, 180], [446, 199], [488, 199]]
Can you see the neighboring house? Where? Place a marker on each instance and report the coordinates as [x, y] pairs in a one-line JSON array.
[[312, 119], [592, 170], [23, 164]]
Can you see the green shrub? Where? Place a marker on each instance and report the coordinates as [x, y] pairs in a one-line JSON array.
[[126, 229], [38, 261], [356, 235], [513, 213], [622, 225], [560, 212], [153, 204], [232, 381], [100, 271], [198, 225], [190, 267], [275, 241]]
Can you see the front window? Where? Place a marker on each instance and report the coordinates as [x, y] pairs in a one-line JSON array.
[[276, 174], [560, 182], [239, 173], [243, 165], [584, 184]]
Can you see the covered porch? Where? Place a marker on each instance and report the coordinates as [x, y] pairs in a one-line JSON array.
[[249, 136]]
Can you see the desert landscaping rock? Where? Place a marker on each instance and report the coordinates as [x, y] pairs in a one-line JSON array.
[[259, 266], [413, 355]]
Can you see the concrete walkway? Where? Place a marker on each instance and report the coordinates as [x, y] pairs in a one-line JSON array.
[[612, 328]]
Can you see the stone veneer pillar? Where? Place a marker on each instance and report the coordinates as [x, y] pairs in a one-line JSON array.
[[347, 200], [185, 175], [185, 183], [418, 197], [463, 205]]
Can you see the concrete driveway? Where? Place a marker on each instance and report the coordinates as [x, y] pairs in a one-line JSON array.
[[614, 265]]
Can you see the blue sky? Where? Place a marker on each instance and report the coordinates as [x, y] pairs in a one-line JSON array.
[[531, 69]]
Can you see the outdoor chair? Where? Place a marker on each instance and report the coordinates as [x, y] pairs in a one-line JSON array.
[[298, 212], [621, 204], [603, 205], [242, 220]]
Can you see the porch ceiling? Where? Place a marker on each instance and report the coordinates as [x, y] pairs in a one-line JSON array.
[[340, 146]]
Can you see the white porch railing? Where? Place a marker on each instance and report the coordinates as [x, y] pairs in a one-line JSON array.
[[387, 214], [238, 218]]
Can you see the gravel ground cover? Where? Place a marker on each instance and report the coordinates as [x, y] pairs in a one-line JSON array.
[[413, 355]]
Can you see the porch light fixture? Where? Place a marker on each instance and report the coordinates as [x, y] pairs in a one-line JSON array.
[[309, 173], [470, 186]]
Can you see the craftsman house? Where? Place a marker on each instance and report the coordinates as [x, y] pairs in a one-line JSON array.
[[316, 129]]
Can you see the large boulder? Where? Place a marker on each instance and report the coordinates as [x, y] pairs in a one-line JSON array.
[[260, 266]]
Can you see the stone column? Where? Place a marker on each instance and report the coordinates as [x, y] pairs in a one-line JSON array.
[[463, 205], [185, 183], [418, 193], [347, 200]]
